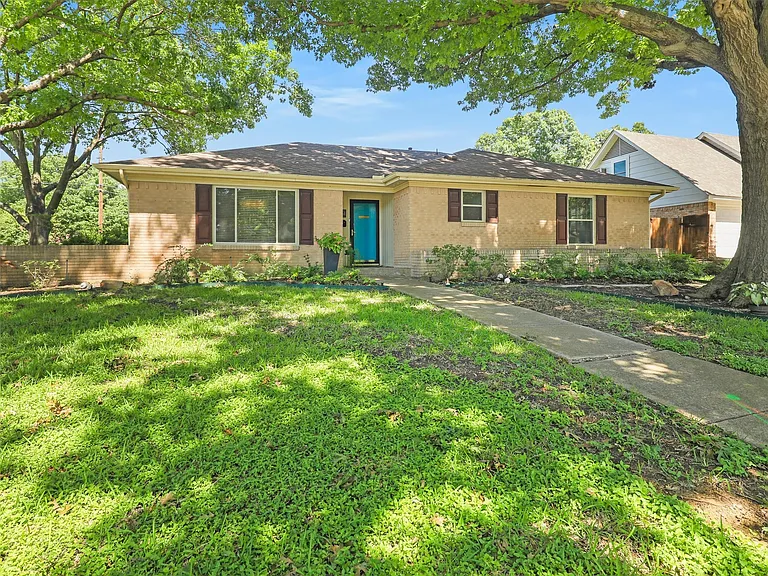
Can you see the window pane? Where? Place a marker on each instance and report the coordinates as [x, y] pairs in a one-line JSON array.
[[256, 216], [225, 214], [579, 208], [286, 217], [473, 198], [580, 232], [473, 213], [620, 168]]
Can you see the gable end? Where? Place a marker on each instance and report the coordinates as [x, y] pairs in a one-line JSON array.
[[619, 148]]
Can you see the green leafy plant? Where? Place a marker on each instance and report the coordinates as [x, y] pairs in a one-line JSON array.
[[446, 260], [183, 267], [745, 292], [224, 273], [333, 241], [42, 272], [272, 268]]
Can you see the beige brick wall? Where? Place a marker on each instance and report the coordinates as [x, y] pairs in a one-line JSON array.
[[163, 215], [526, 221]]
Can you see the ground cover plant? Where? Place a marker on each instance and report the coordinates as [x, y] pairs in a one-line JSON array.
[[185, 266], [263, 430], [454, 261], [740, 343]]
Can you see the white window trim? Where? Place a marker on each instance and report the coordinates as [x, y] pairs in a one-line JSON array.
[[259, 245], [482, 207], [618, 159], [594, 220]]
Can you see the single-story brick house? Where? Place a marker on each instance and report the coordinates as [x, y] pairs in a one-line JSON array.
[[393, 205]]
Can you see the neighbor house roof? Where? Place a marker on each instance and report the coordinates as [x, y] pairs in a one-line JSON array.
[[724, 142], [306, 159], [704, 163]]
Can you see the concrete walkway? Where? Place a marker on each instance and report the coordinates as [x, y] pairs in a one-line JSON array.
[[735, 401]]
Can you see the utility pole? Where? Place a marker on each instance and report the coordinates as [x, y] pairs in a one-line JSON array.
[[101, 191]]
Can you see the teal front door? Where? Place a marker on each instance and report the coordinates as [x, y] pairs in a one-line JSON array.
[[365, 231]]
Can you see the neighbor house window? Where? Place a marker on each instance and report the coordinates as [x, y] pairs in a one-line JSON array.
[[620, 168], [471, 206], [255, 216], [581, 220]]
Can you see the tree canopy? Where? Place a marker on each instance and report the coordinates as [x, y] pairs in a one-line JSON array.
[[550, 136], [173, 72]]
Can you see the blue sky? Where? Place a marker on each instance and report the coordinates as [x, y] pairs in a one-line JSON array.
[[345, 113]]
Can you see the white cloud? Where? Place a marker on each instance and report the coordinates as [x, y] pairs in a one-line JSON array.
[[344, 103]]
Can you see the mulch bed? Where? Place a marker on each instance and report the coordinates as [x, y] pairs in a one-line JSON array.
[[643, 292]]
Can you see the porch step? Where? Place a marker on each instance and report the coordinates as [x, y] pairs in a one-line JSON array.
[[383, 272]]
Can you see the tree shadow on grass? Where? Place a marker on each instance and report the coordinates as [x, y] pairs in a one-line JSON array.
[[306, 453]]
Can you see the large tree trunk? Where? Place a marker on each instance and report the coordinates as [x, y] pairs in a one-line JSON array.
[[750, 263], [39, 229]]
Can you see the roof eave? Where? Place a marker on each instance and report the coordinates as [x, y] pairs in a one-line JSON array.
[[388, 183]]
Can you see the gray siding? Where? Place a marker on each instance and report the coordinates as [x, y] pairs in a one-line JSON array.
[[645, 167]]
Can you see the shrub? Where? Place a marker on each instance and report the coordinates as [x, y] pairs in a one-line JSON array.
[[184, 267], [42, 272], [226, 273], [448, 259], [614, 266], [271, 267]]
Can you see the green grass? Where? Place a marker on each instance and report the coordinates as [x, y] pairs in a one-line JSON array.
[[740, 343], [252, 430]]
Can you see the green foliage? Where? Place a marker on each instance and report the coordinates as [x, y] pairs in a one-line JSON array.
[[223, 273], [278, 431], [548, 136], [755, 293], [638, 267], [448, 259], [76, 221], [183, 267], [334, 242], [42, 272], [736, 458]]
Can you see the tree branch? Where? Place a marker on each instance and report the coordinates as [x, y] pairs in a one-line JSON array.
[[64, 70], [15, 214], [21, 22]]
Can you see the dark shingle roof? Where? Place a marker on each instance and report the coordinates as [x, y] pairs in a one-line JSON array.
[[297, 158], [473, 162], [301, 158]]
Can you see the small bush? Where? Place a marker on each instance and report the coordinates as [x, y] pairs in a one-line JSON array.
[[446, 260], [226, 273], [465, 262], [184, 267], [42, 272]]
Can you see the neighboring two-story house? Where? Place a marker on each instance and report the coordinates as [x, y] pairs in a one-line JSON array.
[[703, 216]]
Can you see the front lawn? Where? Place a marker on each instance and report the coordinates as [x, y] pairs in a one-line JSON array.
[[252, 430], [740, 343]]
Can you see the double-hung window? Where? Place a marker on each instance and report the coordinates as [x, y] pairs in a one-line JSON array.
[[581, 220], [255, 216], [472, 206], [620, 168]]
